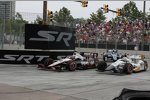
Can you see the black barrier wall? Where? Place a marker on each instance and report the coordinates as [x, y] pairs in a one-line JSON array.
[[29, 57], [48, 37], [113, 46]]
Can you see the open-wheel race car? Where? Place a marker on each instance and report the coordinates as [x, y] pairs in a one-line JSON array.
[[111, 54], [89, 60], [70, 63], [127, 65]]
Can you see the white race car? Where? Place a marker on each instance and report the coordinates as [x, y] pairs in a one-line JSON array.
[[133, 63], [71, 63]]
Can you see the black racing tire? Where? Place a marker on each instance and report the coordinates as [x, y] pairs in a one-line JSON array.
[[102, 66], [128, 94], [145, 65], [128, 68], [72, 66]]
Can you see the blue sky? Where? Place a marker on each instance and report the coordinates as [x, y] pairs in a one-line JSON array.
[[76, 9]]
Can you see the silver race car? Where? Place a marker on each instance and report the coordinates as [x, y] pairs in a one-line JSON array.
[[127, 65], [111, 54]]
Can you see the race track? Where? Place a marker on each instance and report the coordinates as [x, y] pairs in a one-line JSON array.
[[78, 85]]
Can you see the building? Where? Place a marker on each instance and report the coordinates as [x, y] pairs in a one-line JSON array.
[[7, 9]]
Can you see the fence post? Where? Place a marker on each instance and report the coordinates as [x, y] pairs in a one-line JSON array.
[[1, 40], [79, 45], [116, 43]]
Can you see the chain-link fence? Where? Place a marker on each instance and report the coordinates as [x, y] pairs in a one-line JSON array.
[[14, 39]]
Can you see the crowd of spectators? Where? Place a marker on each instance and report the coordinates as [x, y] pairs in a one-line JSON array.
[[123, 31]]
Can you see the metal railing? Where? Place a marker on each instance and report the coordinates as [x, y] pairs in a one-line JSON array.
[[113, 45]]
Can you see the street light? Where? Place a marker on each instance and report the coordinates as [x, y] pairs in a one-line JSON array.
[[106, 9], [84, 3]]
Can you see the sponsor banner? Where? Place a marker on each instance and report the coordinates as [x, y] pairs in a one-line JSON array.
[[48, 37], [29, 57]]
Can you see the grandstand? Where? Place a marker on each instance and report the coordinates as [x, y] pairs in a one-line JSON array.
[[130, 32]]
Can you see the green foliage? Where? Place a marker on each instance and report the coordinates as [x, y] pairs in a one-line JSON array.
[[15, 26], [18, 16], [131, 12], [63, 17], [80, 21], [38, 20], [97, 17], [1, 21]]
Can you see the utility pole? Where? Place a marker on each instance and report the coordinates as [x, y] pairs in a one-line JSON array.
[[44, 12], [144, 30]]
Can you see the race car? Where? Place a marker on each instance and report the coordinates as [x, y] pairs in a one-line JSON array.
[[111, 54], [89, 60], [71, 63], [127, 65]]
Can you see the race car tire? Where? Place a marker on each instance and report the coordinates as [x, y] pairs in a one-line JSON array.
[[145, 65], [129, 94], [72, 66], [102, 66], [128, 68]]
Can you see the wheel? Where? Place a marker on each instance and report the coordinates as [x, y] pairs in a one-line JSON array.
[[72, 66], [128, 68], [102, 66], [145, 65], [128, 94]]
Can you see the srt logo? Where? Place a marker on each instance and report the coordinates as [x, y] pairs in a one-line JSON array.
[[26, 58], [50, 36]]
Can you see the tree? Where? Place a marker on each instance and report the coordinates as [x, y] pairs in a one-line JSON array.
[[18, 16], [63, 17], [38, 20], [80, 21], [1, 21], [131, 12], [97, 17], [16, 25]]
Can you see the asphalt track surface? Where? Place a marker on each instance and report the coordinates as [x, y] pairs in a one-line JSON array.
[[21, 82]]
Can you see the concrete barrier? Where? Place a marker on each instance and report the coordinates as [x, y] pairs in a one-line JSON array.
[[101, 51]]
